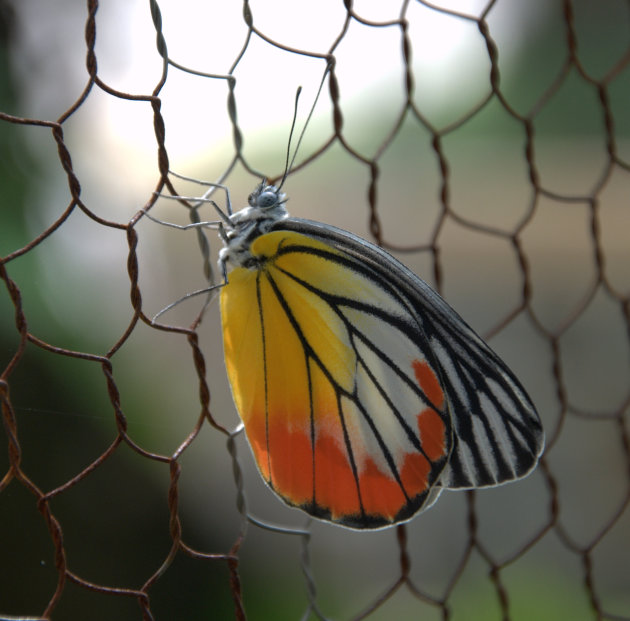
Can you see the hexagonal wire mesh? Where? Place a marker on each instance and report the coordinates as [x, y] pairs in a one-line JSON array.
[[488, 147]]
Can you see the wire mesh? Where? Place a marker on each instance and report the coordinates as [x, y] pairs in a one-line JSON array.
[[127, 489]]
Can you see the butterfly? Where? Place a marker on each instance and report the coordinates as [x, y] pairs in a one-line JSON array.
[[363, 394]]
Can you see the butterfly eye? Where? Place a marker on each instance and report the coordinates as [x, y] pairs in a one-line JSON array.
[[267, 199]]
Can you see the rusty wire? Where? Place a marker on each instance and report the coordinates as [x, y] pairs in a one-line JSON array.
[[550, 533]]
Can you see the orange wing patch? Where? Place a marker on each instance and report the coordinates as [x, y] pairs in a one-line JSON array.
[[335, 486], [429, 383], [430, 425]]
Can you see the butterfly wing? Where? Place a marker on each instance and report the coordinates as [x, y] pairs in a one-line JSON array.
[[340, 393], [497, 433]]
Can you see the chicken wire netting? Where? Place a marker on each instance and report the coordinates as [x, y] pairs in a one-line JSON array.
[[486, 144]]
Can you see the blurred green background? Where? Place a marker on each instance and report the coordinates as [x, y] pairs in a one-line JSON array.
[[571, 349]]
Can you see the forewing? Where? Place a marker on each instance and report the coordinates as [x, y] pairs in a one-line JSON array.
[[498, 436]]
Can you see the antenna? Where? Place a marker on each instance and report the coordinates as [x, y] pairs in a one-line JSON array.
[[286, 164], [289, 165]]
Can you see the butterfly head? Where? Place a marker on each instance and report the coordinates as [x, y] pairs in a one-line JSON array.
[[266, 207]]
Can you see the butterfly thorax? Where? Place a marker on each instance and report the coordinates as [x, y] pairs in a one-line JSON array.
[[266, 207]]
